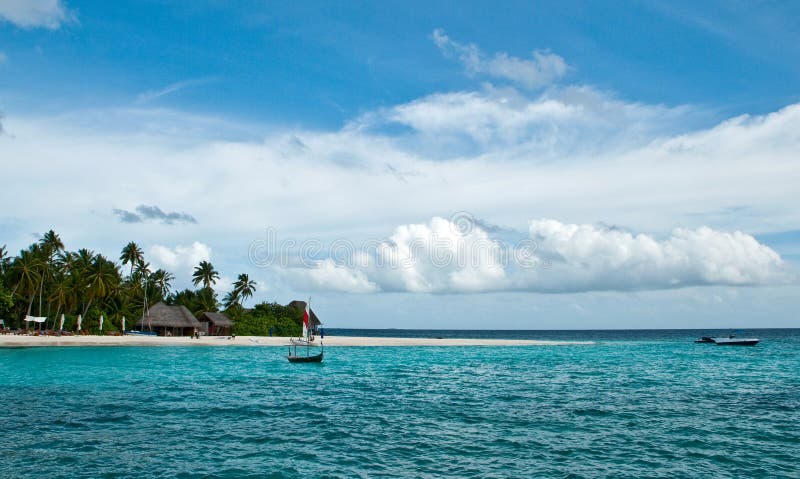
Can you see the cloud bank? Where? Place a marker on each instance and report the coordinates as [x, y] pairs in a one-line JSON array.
[[179, 258], [507, 154], [441, 257]]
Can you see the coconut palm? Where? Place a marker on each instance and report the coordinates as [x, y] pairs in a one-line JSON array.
[[102, 279], [231, 300], [63, 293], [244, 287], [132, 254], [143, 270], [206, 274], [50, 245], [26, 270], [4, 260], [207, 300], [161, 280]]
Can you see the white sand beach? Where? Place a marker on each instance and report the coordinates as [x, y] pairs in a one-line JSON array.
[[255, 341]]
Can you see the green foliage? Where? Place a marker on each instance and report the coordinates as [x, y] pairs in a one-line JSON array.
[[283, 320], [206, 274], [45, 279], [197, 301], [6, 302]]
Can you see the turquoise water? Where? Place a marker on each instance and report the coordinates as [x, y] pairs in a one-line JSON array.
[[656, 408]]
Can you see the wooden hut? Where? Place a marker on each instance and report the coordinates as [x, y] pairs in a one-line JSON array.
[[215, 324], [169, 320], [313, 321]]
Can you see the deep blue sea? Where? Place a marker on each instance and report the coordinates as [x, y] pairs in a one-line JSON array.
[[635, 404]]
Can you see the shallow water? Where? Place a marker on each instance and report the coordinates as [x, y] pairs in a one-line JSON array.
[[659, 407]]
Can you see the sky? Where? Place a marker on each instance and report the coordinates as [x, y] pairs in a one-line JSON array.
[[523, 165]]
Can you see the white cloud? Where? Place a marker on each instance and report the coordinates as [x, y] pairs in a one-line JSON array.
[[49, 14], [571, 153], [180, 258], [435, 257], [3, 58], [564, 121], [190, 164], [587, 257], [543, 69], [150, 95], [327, 276]]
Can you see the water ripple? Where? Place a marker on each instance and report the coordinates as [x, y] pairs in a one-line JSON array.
[[616, 409]]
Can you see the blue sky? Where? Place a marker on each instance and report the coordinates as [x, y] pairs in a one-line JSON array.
[[322, 64], [647, 148]]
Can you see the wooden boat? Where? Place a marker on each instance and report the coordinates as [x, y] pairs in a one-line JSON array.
[[306, 342], [317, 358]]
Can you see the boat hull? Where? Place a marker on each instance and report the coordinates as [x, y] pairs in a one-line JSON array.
[[140, 333], [737, 342], [317, 358]]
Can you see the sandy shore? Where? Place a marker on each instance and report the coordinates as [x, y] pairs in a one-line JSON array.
[[10, 341]]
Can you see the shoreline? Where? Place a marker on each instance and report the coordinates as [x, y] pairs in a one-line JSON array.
[[21, 341]]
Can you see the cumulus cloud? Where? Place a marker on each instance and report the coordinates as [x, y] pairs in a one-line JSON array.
[[588, 257], [540, 70], [326, 275], [179, 258], [153, 213], [441, 257], [49, 14]]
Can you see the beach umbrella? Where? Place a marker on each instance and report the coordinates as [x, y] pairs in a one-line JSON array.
[[61, 325], [80, 320], [101, 322], [123, 325]]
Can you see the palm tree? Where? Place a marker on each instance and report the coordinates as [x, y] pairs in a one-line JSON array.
[[231, 300], [161, 280], [50, 245], [102, 279], [207, 300], [63, 294], [244, 286], [132, 254], [25, 272], [140, 277], [206, 274], [81, 265], [4, 260]]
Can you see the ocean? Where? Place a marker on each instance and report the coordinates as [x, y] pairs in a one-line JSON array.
[[634, 404]]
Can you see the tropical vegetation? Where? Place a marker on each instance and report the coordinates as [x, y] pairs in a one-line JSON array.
[[46, 279]]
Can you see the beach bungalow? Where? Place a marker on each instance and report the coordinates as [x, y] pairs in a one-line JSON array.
[[313, 321], [215, 324], [169, 320]]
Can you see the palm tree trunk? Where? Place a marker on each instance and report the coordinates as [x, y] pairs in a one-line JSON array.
[[41, 287], [30, 303]]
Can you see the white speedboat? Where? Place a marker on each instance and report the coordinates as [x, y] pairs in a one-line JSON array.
[[732, 340]]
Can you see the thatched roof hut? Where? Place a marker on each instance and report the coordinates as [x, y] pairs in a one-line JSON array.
[[313, 321], [169, 320], [215, 324]]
